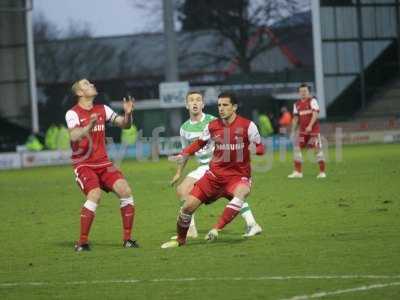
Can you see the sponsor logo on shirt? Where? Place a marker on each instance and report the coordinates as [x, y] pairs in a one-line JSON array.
[[305, 112], [230, 146], [99, 127]]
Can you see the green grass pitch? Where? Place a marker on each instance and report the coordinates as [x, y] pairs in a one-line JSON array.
[[336, 238]]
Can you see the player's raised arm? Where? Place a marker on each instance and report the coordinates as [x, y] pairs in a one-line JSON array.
[[125, 121]]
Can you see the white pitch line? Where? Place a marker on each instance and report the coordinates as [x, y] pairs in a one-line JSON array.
[[155, 280], [338, 292]]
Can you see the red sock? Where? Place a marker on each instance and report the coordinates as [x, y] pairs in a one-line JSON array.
[[297, 166], [182, 227], [321, 166], [227, 216], [87, 217], [128, 216]]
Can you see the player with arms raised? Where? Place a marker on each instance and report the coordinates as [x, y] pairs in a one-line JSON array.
[[229, 175], [93, 169], [305, 112], [190, 131]]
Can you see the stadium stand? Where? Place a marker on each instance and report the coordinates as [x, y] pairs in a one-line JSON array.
[[385, 104]]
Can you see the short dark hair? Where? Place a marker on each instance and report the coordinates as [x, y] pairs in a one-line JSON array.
[[194, 92], [304, 85], [229, 95]]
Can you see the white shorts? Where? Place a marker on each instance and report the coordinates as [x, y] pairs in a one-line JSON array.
[[199, 172]]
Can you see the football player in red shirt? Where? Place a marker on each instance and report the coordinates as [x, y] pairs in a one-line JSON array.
[[93, 169], [229, 175], [305, 112]]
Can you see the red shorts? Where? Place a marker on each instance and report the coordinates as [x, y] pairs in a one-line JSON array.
[[90, 178], [310, 141], [209, 187]]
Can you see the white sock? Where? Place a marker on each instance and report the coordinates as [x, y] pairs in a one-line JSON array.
[[247, 215], [235, 204], [126, 201], [90, 205], [192, 223]]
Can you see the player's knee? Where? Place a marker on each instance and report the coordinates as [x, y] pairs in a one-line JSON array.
[[190, 205], [94, 195], [181, 191], [245, 192], [187, 208], [242, 192], [123, 189]]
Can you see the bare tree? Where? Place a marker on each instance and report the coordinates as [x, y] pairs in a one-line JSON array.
[[236, 31], [44, 30], [244, 23], [152, 9], [61, 57]]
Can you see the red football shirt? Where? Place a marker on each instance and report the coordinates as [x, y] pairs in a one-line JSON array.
[[231, 156], [304, 110], [90, 150]]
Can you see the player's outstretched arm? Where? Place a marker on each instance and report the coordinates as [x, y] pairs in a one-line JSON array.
[[179, 158], [187, 151], [179, 170], [192, 148], [125, 121]]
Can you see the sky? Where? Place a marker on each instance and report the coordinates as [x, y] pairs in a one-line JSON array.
[[105, 17]]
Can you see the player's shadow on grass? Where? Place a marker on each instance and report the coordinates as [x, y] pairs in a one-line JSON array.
[[103, 244], [197, 243], [65, 244], [226, 239]]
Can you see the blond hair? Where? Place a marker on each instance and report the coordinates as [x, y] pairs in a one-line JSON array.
[[75, 87]]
